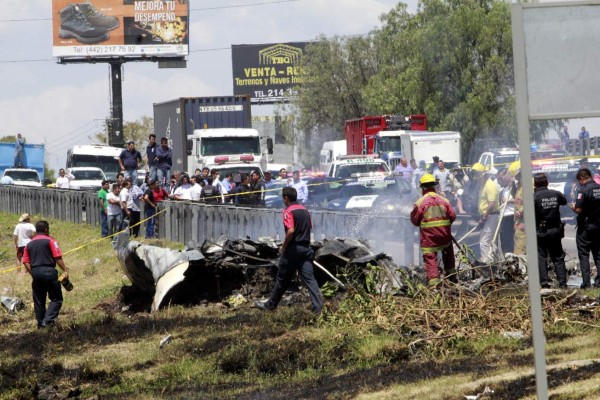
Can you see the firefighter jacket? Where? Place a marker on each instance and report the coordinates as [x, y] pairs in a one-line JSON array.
[[519, 221], [434, 215]]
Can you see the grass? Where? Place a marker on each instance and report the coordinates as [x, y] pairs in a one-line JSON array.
[[432, 345]]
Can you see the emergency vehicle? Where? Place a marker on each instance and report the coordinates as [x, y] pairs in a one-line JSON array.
[[379, 192], [345, 166]]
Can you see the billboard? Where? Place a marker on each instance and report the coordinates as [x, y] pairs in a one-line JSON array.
[[267, 72], [119, 28]]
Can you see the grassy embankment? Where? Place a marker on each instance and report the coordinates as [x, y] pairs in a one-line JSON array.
[[426, 346]]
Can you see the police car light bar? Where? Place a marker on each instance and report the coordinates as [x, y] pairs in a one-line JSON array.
[[349, 157]]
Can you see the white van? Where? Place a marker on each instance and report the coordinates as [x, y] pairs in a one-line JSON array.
[[330, 152]]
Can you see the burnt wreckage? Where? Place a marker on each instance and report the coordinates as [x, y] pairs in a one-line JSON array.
[[217, 271]]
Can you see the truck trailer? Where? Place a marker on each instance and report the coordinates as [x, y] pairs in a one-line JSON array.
[[423, 146], [179, 118], [33, 157]]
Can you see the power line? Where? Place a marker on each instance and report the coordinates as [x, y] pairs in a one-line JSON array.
[[264, 3]]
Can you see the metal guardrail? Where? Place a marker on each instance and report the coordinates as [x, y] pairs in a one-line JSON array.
[[189, 222]]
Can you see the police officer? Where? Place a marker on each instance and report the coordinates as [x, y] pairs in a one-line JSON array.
[[434, 215], [587, 208], [550, 230], [296, 254], [42, 254]]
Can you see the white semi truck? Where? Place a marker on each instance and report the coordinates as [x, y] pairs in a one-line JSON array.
[[236, 150]]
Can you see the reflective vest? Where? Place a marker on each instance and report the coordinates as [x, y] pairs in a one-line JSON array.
[[434, 215]]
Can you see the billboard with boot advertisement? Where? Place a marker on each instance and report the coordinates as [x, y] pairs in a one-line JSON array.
[[119, 28]]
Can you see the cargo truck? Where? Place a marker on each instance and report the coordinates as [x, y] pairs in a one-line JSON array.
[[33, 157], [178, 119], [423, 146], [381, 135]]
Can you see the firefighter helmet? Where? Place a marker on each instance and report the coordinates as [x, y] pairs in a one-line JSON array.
[[427, 180], [478, 167], [515, 168]]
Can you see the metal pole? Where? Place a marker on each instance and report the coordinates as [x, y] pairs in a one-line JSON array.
[[115, 133], [521, 94]]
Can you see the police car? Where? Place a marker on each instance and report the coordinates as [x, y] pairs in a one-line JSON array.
[[343, 167], [379, 192]]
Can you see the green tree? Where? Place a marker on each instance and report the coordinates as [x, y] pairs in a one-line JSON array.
[[451, 60], [137, 130]]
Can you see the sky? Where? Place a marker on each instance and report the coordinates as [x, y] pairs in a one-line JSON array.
[[63, 105]]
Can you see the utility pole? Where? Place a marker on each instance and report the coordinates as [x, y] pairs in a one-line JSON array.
[[115, 131]]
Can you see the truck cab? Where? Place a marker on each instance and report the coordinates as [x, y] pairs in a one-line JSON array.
[[388, 146], [213, 147]]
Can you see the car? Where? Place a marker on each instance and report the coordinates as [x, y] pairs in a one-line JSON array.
[[86, 178], [497, 159], [381, 193], [344, 167], [23, 176]]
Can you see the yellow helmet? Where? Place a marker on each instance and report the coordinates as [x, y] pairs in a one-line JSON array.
[[427, 179], [478, 167], [514, 168]]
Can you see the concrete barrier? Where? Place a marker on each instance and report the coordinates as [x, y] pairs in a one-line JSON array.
[[191, 223]]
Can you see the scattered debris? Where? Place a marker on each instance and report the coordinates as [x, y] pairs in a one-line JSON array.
[[12, 304], [514, 335], [478, 396], [165, 341]]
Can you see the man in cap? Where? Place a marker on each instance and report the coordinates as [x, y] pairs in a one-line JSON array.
[[129, 161], [22, 235], [488, 207], [434, 215]]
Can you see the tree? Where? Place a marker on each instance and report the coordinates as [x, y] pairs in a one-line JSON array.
[[452, 60]]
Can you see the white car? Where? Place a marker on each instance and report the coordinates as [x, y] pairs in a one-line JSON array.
[[24, 176], [86, 178]]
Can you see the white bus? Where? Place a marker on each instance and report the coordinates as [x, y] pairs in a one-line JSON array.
[[96, 155]]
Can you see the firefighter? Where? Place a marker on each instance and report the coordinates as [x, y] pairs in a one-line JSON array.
[[434, 215], [520, 243], [489, 206]]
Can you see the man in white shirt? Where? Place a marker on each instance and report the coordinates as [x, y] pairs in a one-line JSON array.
[[64, 179], [300, 186], [113, 211], [22, 235], [196, 189], [125, 199]]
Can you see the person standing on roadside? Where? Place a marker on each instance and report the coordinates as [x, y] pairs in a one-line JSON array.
[[41, 256], [550, 230], [296, 254], [19, 150], [489, 207], [114, 213], [565, 137], [165, 162], [150, 207], [434, 215], [584, 136], [129, 161], [64, 179], [151, 159], [102, 193], [22, 235], [587, 208]]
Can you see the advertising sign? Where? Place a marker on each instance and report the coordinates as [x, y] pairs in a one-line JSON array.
[[119, 28], [267, 72]]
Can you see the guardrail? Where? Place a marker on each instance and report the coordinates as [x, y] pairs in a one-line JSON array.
[[189, 222]]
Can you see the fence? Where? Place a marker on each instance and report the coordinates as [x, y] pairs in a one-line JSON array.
[[192, 223]]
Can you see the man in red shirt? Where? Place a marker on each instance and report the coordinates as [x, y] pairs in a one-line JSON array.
[[296, 254], [42, 254], [434, 215]]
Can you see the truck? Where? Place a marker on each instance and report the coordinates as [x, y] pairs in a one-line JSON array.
[[330, 152], [96, 155], [33, 157], [178, 119], [425, 145], [381, 135], [236, 150]]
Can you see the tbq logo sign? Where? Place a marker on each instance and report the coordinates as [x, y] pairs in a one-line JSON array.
[[119, 28], [267, 72]]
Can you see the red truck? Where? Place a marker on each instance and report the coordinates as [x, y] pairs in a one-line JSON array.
[[361, 133]]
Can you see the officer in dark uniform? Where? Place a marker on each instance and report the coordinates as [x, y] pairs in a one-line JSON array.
[[42, 254], [587, 208], [210, 193], [296, 254], [550, 230]]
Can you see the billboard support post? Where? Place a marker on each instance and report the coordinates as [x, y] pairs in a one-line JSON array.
[[115, 133]]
